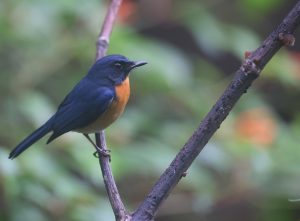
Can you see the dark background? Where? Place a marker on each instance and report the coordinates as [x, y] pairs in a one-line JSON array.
[[248, 171]]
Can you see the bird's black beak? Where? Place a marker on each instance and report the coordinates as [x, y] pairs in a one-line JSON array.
[[135, 64]]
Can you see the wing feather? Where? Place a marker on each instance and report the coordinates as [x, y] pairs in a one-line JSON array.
[[85, 103]]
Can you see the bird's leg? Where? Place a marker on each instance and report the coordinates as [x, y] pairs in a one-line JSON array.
[[99, 150]]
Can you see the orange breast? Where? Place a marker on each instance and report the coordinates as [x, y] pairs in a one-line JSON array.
[[115, 109]]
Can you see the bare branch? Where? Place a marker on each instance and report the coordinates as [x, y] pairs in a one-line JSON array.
[[245, 75], [104, 161], [104, 35], [110, 184]]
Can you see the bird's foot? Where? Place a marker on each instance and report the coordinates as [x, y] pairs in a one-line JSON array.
[[100, 151]]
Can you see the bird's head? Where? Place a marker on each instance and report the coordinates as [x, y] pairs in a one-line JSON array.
[[113, 68]]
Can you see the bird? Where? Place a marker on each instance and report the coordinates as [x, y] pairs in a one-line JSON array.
[[93, 104]]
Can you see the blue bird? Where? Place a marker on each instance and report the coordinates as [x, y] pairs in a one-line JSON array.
[[92, 105]]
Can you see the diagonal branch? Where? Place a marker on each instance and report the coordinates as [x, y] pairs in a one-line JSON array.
[[245, 75], [104, 161]]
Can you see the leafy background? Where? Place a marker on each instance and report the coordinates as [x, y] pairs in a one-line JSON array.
[[249, 170]]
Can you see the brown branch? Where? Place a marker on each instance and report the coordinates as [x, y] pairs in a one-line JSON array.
[[244, 77], [104, 35], [109, 182], [104, 161]]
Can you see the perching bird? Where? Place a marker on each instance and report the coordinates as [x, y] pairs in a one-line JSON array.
[[92, 105]]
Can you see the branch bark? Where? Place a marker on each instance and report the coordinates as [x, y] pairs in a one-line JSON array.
[[104, 161], [244, 76], [107, 26]]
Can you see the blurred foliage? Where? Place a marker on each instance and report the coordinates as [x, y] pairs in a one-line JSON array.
[[249, 170]]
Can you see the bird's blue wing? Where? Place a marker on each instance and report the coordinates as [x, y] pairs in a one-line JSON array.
[[85, 103]]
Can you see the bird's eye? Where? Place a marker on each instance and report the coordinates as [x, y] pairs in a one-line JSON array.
[[118, 65]]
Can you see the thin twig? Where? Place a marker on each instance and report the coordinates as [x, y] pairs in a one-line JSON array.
[[104, 35], [110, 184], [244, 77]]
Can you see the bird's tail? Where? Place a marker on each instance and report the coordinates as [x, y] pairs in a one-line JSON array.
[[31, 139]]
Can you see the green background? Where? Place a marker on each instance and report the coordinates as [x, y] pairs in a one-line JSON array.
[[248, 171]]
